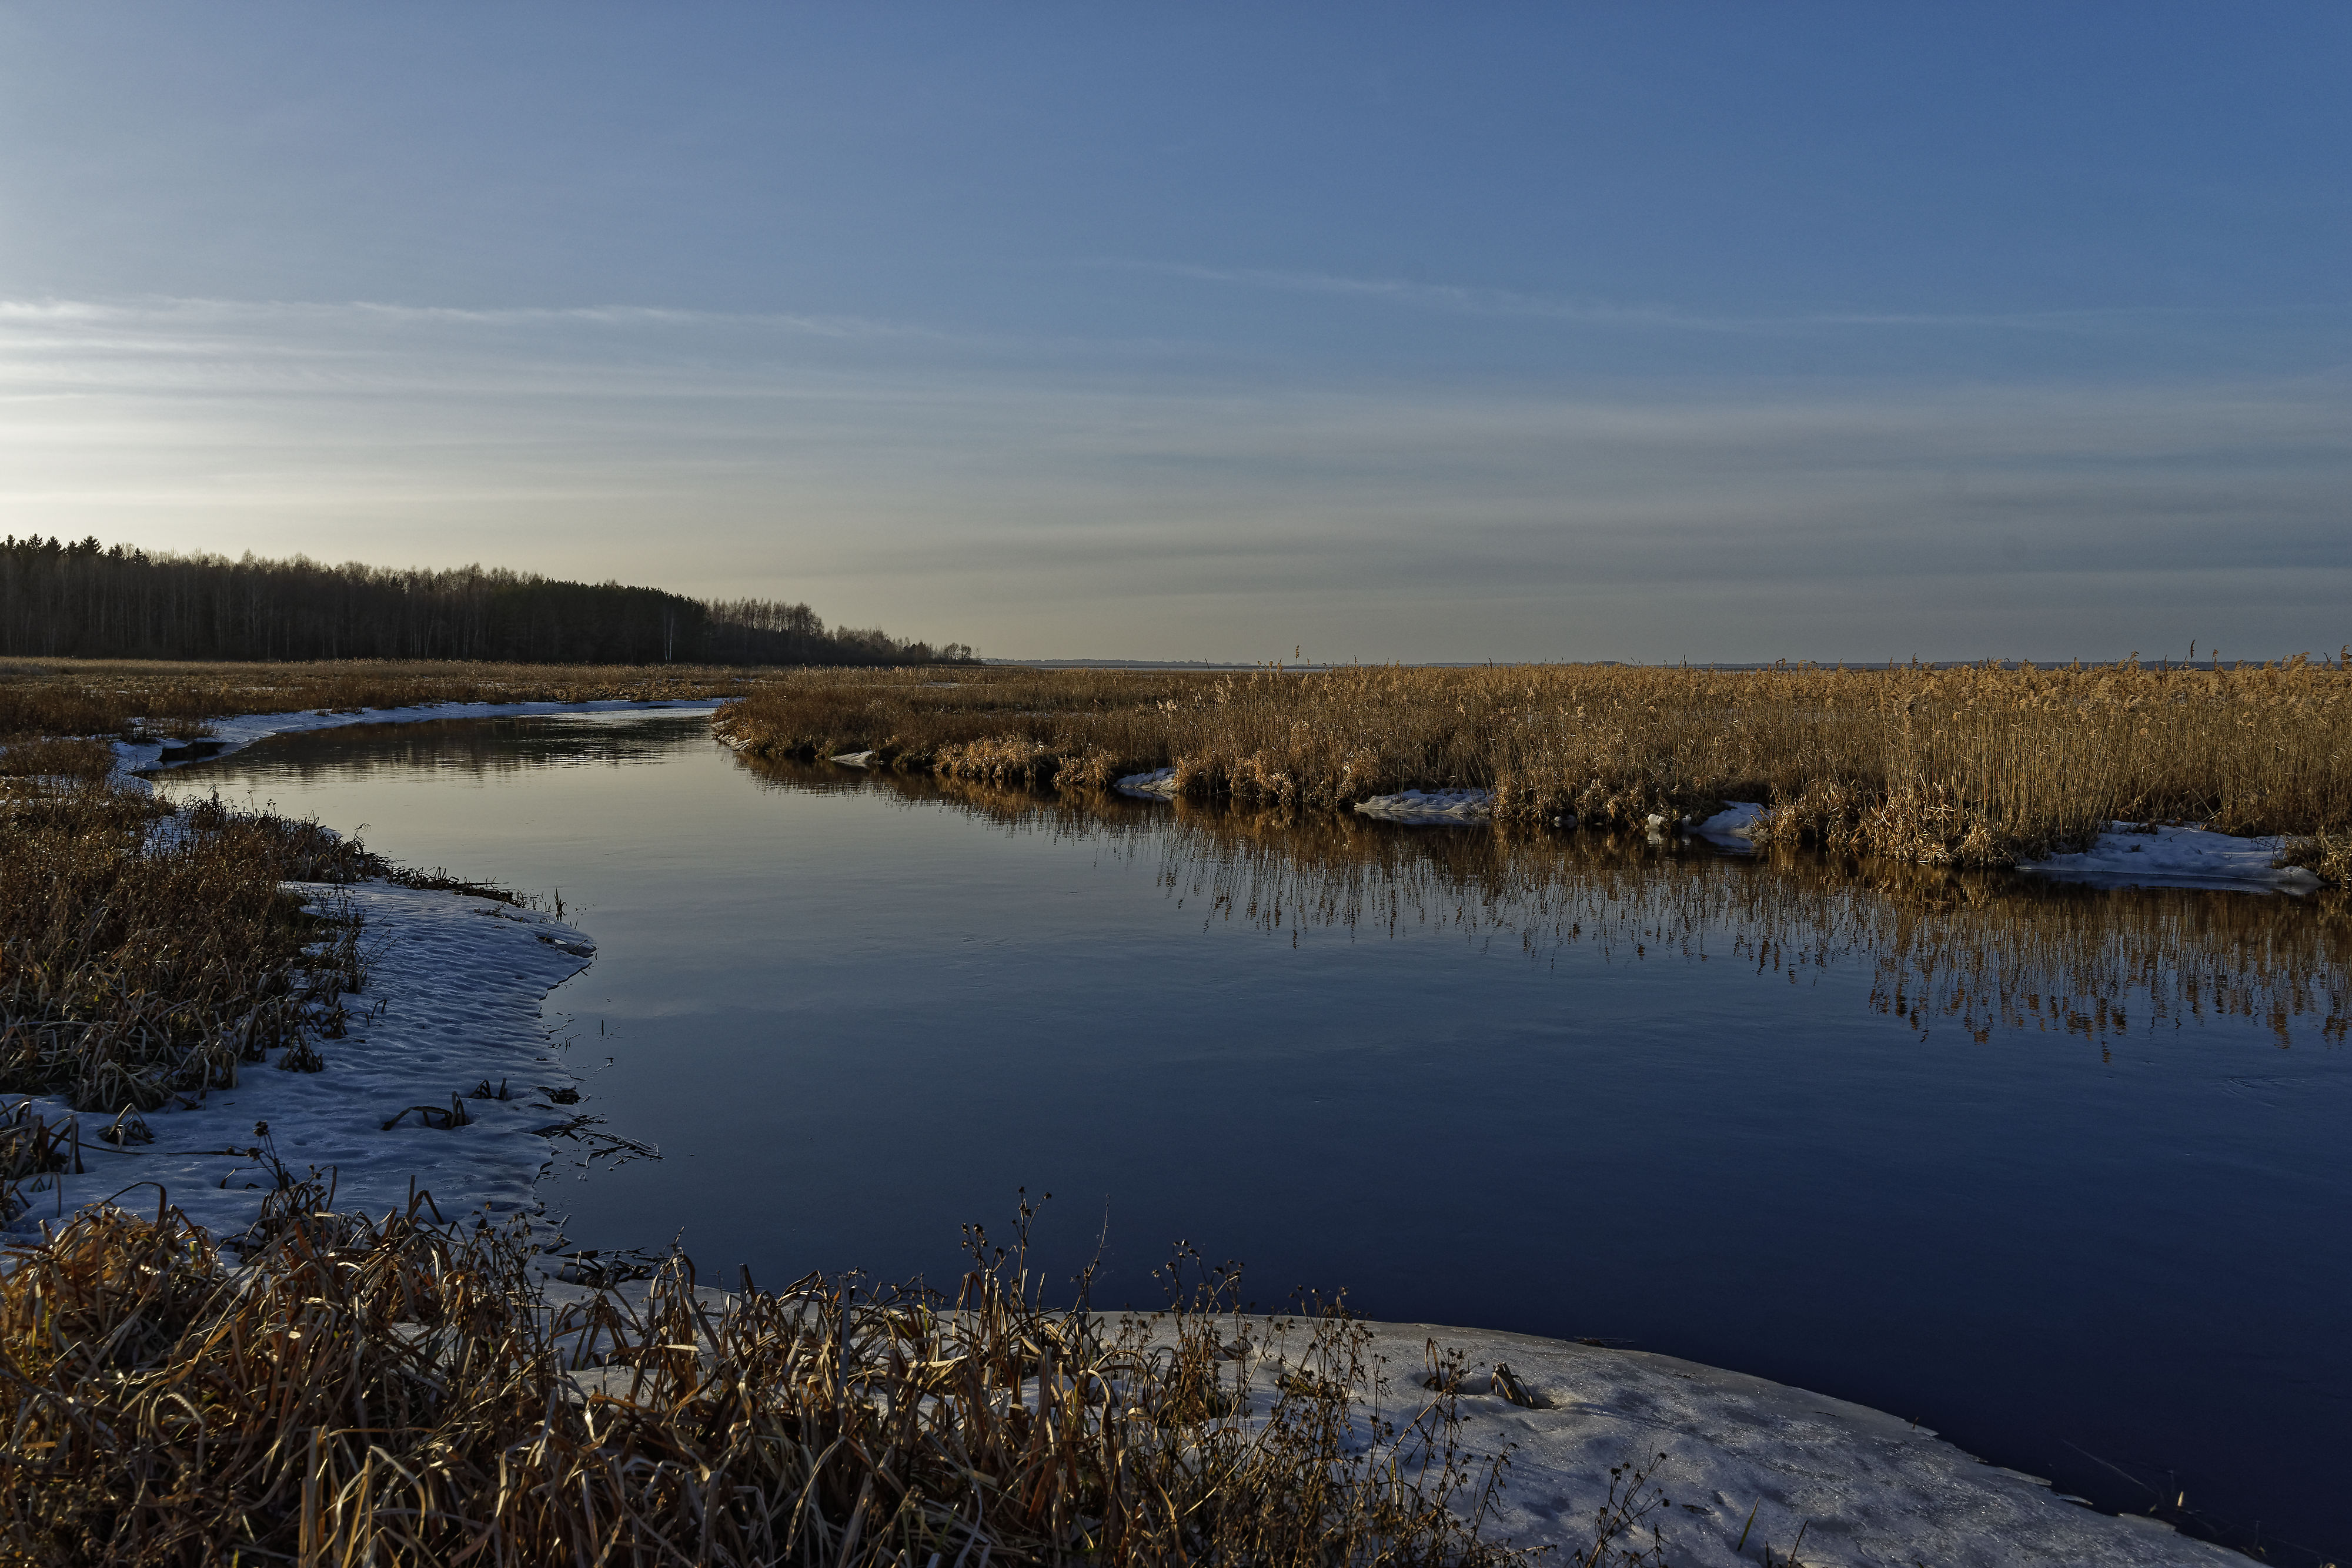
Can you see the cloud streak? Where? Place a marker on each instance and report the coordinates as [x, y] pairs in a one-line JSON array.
[[1037, 506], [1658, 316]]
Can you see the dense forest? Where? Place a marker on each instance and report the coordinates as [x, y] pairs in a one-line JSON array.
[[95, 602]]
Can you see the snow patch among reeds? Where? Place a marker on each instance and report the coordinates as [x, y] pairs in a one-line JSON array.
[[450, 1019], [2152, 854], [1735, 823], [1160, 784], [1456, 806]]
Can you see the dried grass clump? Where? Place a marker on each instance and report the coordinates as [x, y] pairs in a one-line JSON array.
[[396, 1393], [35, 762], [1977, 767], [143, 956]]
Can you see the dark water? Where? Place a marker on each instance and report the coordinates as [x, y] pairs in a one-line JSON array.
[[2059, 1172]]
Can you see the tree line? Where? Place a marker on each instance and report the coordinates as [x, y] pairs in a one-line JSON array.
[[87, 600]]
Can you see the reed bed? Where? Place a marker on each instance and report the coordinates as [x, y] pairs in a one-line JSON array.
[[145, 956], [85, 697], [1947, 949], [1975, 767], [395, 1392]]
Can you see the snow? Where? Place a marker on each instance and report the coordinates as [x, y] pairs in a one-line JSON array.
[[452, 999], [1743, 1457], [854, 759], [1735, 824], [1431, 806], [2153, 855], [233, 735], [1160, 784], [1866, 1487], [2126, 855]]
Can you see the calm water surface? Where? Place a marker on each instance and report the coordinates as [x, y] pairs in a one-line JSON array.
[[2058, 1172]]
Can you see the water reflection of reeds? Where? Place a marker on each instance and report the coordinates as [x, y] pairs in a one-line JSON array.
[[1973, 952]]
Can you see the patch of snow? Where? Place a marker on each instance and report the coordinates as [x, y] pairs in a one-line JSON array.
[[232, 734], [1748, 1463], [1867, 1486], [855, 759], [1456, 806], [1735, 824], [453, 1000], [2156, 856], [1160, 784]]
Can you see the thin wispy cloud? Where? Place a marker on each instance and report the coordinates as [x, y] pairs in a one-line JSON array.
[[1478, 301], [1040, 510]]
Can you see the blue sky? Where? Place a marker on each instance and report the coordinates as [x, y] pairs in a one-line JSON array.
[[1717, 332]]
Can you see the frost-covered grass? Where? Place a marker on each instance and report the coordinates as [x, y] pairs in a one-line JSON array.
[[1981, 766]]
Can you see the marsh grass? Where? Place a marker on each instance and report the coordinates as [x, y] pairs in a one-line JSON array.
[[56, 698], [145, 956], [397, 1392], [1974, 766]]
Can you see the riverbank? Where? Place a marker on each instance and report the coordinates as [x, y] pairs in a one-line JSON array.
[[1985, 766], [1707, 1439], [441, 1079], [2122, 854]]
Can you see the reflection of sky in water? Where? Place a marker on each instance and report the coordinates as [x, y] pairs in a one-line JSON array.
[[2051, 1169]]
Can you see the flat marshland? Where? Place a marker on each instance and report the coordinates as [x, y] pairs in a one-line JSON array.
[[331, 1387], [1981, 766]]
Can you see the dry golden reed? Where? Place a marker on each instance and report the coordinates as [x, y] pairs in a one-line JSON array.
[[1979, 767], [145, 956], [396, 1393]]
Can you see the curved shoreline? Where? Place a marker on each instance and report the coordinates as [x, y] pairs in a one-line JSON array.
[[455, 999]]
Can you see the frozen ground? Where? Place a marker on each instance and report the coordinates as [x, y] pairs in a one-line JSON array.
[[452, 1002]]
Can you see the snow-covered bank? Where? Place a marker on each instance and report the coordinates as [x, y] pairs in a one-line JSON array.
[[1734, 825], [1431, 806], [1160, 784], [1865, 1486], [2151, 855], [452, 1002], [2127, 854], [1738, 1469], [233, 735]]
